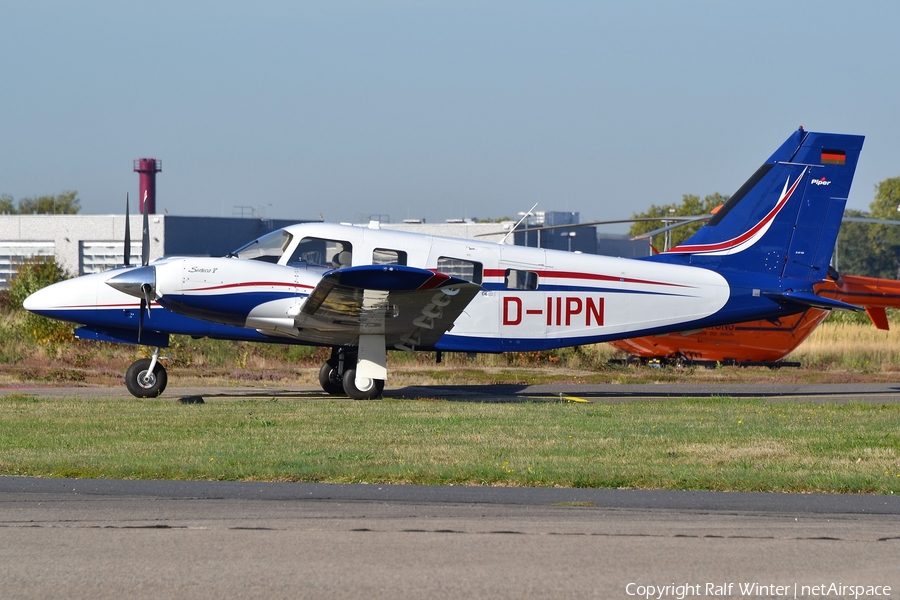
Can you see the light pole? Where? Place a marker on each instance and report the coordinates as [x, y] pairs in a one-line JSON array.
[[570, 235]]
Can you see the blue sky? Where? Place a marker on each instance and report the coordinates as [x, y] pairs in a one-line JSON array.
[[434, 110]]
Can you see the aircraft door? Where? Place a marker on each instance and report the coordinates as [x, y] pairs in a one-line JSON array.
[[521, 303]]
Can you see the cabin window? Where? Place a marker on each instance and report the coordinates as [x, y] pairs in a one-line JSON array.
[[319, 252], [268, 248], [385, 256], [521, 280], [463, 269]]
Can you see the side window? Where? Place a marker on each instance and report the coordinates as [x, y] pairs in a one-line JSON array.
[[319, 252], [385, 256], [457, 267], [521, 280]]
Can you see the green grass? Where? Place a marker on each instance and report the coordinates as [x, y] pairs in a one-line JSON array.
[[717, 444]]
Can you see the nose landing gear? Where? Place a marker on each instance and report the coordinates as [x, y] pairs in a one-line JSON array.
[[146, 378]]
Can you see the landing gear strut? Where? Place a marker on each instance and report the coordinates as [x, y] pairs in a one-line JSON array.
[[338, 377], [146, 378]]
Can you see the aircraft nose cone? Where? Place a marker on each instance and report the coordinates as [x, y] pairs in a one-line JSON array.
[[41, 300], [132, 282]]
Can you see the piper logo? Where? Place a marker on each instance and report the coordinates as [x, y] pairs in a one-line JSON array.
[[820, 182]]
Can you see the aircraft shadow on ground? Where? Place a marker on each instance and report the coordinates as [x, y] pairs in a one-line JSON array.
[[513, 393]]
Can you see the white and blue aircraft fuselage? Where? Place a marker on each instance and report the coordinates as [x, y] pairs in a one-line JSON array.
[[366, 290]]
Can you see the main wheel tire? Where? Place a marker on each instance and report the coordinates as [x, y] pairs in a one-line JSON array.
[[142, 386], [372, 388], [330, 380]]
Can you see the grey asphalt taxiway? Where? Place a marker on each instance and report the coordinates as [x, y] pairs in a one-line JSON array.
[[179, 539], [840, 393]]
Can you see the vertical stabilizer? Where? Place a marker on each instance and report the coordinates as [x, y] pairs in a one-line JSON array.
[[784, 220]]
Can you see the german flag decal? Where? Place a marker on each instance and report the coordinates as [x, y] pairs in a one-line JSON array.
[[833, 157]]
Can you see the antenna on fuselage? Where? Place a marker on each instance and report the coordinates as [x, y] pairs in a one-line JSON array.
[[525, 216]]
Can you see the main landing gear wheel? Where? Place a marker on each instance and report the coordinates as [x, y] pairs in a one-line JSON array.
[[145, 384], [370, 388], [331, 380]]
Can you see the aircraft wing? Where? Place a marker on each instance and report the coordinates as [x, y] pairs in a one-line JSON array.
[[411, 307]]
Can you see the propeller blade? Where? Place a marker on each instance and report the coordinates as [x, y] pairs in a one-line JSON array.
[[147, 290], [127, 234], [145, 236], [139, 282]]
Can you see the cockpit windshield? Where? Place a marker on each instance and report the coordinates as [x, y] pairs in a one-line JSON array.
[[267, 248]]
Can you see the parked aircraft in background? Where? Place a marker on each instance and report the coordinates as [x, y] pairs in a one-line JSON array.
[[364, 291], [766, 340]]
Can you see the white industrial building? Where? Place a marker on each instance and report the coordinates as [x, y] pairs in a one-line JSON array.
[[81, 243]]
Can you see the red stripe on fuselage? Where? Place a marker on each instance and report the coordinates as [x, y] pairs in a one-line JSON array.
[[251, 284]]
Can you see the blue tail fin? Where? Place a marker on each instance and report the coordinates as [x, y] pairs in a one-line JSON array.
[[784, 220]]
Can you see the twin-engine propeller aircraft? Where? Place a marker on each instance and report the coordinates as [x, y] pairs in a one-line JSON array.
[[364, 291]]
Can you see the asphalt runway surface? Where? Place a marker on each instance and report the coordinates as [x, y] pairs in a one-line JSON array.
[[162, 539]]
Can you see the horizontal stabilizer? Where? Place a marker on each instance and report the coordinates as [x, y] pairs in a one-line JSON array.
[[813, 300]]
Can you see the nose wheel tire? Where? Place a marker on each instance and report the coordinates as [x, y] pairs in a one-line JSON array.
[[368, 389], [144, 384]]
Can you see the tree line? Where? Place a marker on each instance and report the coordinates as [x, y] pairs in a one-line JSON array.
[[868, 249], [66, 203]]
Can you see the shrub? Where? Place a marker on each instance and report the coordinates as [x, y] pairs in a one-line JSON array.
[[34, 274], [860, 317], [5, 301]]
